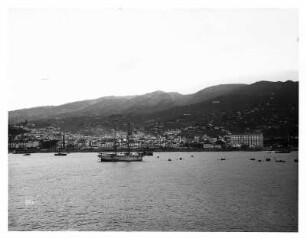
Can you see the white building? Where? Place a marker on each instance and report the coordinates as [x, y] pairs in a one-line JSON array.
[[252, 140]]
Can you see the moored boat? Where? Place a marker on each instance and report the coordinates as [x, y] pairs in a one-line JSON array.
[[122, 156], [283, 150], [60, 153]]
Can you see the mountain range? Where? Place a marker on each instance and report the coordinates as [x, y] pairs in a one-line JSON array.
[[262, 106], [106, 106]]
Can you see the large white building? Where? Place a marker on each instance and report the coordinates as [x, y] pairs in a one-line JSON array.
[[252, 140]]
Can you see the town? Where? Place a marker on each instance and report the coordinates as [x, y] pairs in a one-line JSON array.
[[26, 137]]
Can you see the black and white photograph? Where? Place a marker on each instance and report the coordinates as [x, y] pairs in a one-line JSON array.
[[153, 119]]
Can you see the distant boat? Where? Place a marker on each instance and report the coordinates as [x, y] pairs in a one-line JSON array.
[[123, 156], [281, 161], [147, 153], [26, 154], [283, 150], [120, 157], [60, 153]]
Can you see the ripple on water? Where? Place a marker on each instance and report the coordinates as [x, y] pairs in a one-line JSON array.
[[197, 193]]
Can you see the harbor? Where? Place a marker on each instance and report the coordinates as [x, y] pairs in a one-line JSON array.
[[134, 119], [80, 193]]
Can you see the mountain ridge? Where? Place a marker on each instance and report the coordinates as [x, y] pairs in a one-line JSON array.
[[114, 104], [262, 107]]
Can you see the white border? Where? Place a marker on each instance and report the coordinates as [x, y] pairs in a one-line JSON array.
[[138, 4]]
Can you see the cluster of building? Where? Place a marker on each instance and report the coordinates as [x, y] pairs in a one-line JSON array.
[[51, 138]]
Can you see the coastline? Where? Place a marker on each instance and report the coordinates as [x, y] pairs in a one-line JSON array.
[[287, 150]]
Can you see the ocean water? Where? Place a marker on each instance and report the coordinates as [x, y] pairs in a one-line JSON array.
[[199, 193]]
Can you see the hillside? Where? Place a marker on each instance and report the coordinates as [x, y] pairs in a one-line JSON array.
[[106, 106], [268, 107]]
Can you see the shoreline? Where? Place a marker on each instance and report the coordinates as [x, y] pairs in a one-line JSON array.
[[154, 151]]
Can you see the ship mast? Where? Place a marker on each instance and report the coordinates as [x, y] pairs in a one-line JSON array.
[[115, 141], [128, 138], [63, 141]]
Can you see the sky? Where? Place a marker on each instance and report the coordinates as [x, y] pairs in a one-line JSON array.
[[58, 56]]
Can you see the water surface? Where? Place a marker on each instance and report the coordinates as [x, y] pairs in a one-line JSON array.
[[199, 193]]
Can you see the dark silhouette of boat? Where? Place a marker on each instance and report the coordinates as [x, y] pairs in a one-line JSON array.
[[27, 154], [280, 161], [122, 156], [147, 153], [60, 153], [283, 150]]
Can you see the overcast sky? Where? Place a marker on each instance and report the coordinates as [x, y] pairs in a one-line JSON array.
[[65, 55]]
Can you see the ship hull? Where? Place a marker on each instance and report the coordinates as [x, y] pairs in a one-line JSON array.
[[117, 158], [121, 160]]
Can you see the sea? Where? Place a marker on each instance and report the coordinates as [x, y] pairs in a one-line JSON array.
[[195, 191]]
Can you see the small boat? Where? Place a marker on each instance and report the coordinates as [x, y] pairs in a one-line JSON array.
[[147, 153], [281, 161], [296, 160], [60, 154], [283, 150], [252, 159], [259, 160], [169, 159], [268, 159], [26, 154], [157, 156], [180, 158], [191, 156], [222, 158]]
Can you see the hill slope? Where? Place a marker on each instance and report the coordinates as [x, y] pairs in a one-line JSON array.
[[106, 106], [268, 107]]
